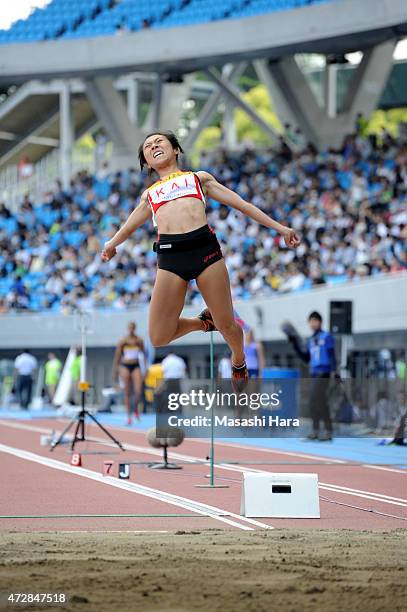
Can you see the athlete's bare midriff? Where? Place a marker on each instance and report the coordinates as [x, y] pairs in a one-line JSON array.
[[181, 216]]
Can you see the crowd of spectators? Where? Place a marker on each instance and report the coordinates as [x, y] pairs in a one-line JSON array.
[[349, 207]]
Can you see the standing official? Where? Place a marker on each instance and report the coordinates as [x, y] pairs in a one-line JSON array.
[[174, 367], [174, 370], [320, 354], [24, 368]]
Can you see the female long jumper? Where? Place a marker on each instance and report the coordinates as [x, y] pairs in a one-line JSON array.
[[187, 248]]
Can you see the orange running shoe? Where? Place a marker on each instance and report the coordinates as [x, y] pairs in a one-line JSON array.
[[206, 317]]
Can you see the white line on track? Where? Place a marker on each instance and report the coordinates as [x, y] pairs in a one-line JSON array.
[[381, 495], [234, 468], [176, 500], [48, 430], [384, 468], [272, 451], [362, 495]]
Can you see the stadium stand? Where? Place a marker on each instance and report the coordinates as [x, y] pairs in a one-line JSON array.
[[349, 206], [87, 18]]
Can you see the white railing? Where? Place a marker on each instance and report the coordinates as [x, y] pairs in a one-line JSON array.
[[45, 174], [13, 187]]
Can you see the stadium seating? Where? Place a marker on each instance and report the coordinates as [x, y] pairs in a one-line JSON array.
[[50, 22], [87, 18], [349, 229]]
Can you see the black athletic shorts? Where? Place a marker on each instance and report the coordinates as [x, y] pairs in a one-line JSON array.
[[130, 366], [189, 254]]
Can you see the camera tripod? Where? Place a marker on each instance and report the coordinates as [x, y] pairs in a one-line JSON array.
[[83, 386]]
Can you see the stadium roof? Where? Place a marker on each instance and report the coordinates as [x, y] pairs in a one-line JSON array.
[[335, 27]]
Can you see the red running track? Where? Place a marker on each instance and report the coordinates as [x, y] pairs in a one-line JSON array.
[[36, 481]]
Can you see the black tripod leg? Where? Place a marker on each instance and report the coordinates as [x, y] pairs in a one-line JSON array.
[[67, 428], [109, 435], [83, 427], [76, 438], [82, 417]]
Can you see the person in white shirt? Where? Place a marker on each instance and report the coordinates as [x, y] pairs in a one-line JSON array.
[[225, 367], [173, 367], [224, 373], [24, 368]]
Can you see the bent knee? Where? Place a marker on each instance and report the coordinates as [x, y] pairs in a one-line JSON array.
[[158, 338]]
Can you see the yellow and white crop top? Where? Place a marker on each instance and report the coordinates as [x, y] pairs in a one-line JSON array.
[[130, 352], [177, 185]]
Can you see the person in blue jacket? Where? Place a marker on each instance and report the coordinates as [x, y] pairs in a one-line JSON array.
[[320, 354]]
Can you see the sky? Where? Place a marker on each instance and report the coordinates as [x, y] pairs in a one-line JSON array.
[[11, 10]]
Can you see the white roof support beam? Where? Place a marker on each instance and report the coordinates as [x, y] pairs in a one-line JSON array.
[[40, 140], [370, 79], [232, 94], [326, 127], [14, 143], [30, 136], [66, 132], [230, 73], [282, 110], [172, 106], [167, 105], [133, 100], [112, 113], [153, 118], [330, 89], [296, 95]]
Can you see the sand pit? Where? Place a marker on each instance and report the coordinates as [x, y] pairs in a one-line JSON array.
[[210, 571]]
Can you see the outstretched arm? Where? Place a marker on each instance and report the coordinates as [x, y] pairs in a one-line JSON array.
[[137, 218], [302, 352], [222, 194]]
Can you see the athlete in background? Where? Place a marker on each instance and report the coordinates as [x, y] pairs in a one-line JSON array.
[[254, 354], [129, 365]]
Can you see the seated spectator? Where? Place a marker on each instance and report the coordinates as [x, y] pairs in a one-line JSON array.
[[349, 207]]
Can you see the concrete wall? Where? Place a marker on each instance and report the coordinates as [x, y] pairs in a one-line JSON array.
[[380, 320], [379, 305], [348, 25]]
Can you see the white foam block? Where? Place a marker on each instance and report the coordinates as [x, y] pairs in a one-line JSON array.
[[280, 495]]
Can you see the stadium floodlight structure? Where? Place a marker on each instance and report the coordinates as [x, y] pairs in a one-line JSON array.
[[270, 40]]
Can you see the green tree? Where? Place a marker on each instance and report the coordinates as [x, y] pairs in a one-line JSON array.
[[246, 129], [259, 99], [208, 138], [389, 120]]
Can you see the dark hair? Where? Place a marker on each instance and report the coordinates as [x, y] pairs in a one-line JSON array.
[[169, 135], [315, 315]]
